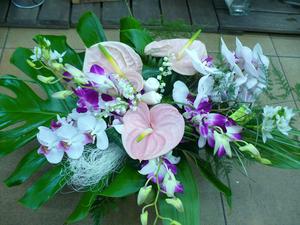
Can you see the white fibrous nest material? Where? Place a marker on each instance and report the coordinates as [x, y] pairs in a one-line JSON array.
[[93, 166]]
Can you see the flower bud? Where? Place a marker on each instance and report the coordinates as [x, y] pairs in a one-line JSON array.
[[30, 63], [78, 75], [46, 80], [62, 94], [174, 222], [57, 66], [176, 202], [144, 218], [151, 84], [151, 98], [143, 194]]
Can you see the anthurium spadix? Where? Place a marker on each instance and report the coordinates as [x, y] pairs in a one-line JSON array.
[[167, 129]]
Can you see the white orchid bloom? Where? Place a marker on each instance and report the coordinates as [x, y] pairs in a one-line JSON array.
[[118, 125], [199, 65], [49, 145], [55, 55], [170, 183], [230, 58], [71, 140], [205, 89], [180, 93], [151, 169], [74, 115], [222, 143], [151, 84], [102, 82], [151, 98], [37, 54], [96, 128], [258, 55]]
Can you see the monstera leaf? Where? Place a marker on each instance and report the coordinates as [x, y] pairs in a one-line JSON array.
[[22, 110]]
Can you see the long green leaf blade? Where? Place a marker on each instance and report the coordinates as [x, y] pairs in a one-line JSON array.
[[30, 163], [44, 189], [90, 29], [82, 209], [190, 198], [127, 182]]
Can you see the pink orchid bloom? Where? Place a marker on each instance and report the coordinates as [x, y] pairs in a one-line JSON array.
[[126, 58], [180, 64], [148, 134]]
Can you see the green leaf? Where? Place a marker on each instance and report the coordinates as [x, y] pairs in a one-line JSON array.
[[26, 111], [114, 137], [132, 34], [207, 172], [44, 188], [127, 182], [30, 163], [190, 198], [282, 151], [90, 29], [59, 43], [82, 209], [129, 23]]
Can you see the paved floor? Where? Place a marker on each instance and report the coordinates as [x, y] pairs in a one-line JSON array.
[[269, 197]]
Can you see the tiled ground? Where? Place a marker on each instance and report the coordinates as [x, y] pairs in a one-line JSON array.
[[270, 197]]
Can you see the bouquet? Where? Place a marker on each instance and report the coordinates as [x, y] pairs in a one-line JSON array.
[[136, 116]]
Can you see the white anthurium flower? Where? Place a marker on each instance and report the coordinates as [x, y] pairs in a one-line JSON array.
[[78, 75], [200, 65], [118, 126], [95, 127], [170, 183], [180, 93], [151, 98], [49, 145], [72, 141], [222, 142], [151, 84], [205, 89]]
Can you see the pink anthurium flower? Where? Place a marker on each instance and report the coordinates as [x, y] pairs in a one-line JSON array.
[[120, 59], [148, 134], [181, 61]]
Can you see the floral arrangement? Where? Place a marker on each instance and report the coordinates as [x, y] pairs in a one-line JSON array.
[[134, 117]]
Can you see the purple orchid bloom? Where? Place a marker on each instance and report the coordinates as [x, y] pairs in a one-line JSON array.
[[88, 99]]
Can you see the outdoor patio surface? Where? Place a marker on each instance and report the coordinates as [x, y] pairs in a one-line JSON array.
[[268, 196]]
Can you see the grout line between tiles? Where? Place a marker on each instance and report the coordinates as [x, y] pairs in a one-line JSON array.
[[223, 209], [4, 45], [283, 70]]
